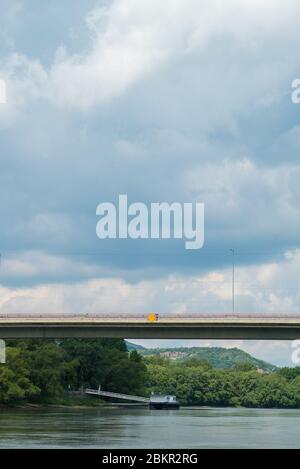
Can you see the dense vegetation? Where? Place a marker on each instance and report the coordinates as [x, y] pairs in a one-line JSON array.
[[218, 357], [196, 382], [41, 371]]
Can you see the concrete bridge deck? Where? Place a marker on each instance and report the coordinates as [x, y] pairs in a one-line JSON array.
[[196, 326]]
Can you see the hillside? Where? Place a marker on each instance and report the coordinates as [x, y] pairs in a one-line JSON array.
[[137, 347], [217, 356]]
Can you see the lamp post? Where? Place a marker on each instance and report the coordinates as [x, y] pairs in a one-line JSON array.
[[233, 280]]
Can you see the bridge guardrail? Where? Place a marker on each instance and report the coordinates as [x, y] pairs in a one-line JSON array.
[[126, 397]]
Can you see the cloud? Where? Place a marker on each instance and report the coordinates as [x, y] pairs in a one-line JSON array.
[[129, 41], [10, 10], [30, 266], [263, 288], [165, 102], [229, 189]]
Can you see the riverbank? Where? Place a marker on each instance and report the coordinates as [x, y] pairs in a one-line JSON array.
[[44, 372], [86, 403], [64, 402]]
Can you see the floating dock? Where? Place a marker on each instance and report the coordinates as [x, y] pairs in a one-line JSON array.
[[156, 401]]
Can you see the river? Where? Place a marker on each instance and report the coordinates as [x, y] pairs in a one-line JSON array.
[[141, 428]]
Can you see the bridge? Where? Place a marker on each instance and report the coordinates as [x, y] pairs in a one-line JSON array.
[[185, 326], [118, 396]]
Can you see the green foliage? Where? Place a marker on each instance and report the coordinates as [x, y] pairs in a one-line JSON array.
[[42, 370], [216, 356], [50, 368], [105, 362], [290, 373], [195, 383], [15, 384], [245, 367]]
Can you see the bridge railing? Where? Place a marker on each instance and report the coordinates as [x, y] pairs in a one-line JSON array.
[[116, 395]]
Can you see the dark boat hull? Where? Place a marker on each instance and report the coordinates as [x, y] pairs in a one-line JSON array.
[[164, 405]]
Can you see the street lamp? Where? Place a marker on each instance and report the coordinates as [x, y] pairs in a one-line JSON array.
[[233, 280]]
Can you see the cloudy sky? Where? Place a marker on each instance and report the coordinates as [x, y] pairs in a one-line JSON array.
[[163, 101]]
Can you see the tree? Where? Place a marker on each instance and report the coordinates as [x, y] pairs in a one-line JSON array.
[[15, 384], [245, 367], [290, 373], [105, 362], [196, 384], [50, 368]]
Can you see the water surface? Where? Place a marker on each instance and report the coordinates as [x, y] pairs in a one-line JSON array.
[[141, 428]]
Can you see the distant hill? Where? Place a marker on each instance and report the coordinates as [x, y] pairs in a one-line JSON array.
[[131, 347], [217, 356]]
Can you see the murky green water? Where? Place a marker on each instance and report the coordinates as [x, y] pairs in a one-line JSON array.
[[142, 428]]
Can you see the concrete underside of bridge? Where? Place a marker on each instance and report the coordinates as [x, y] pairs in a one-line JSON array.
[[152, 331]]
